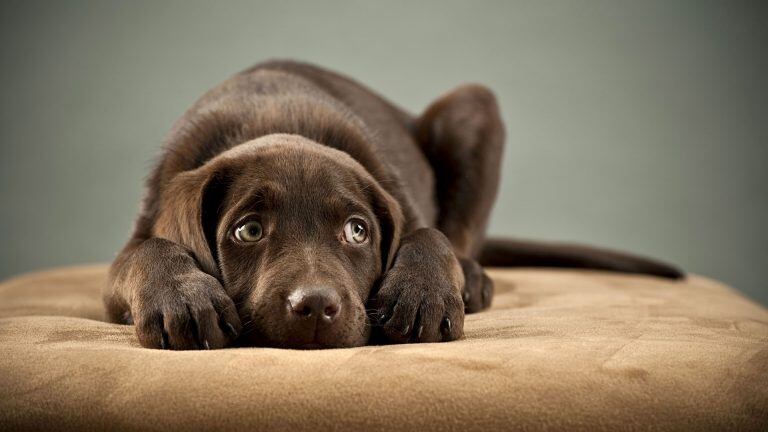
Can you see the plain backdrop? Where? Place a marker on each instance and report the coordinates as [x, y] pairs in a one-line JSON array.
[[638, 125]]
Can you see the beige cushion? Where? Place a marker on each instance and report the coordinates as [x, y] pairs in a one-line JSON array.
[[559, 349]]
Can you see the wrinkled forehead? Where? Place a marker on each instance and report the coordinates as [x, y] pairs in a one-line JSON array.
[[285, 148], [292, 171]]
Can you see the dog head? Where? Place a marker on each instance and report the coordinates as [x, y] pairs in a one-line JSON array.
[[298, 233]]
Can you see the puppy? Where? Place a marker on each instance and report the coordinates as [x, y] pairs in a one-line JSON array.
[[293, 207]]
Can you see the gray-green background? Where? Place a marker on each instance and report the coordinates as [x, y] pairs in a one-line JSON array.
[[635, 125]]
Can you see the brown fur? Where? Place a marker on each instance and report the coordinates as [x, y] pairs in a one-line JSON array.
[[301, 150]]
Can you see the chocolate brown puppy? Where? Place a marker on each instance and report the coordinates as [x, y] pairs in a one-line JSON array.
[[293, 207]]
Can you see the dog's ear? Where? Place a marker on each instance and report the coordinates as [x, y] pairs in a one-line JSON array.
[[189, 212], [391, 220]]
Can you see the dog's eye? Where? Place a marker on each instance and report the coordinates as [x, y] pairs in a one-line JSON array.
[[249, 232], [355, 231]]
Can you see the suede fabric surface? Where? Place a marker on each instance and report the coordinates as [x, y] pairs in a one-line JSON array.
[[558, 350]]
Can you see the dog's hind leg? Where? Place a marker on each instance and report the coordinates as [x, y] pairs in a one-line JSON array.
[[462, 135]]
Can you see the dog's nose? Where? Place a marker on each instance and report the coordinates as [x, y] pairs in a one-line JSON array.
[[318, 302]]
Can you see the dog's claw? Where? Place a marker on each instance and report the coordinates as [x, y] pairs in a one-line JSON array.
[[446, 326], [231, 330]]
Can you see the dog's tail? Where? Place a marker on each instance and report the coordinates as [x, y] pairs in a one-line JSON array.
[[523, 253]]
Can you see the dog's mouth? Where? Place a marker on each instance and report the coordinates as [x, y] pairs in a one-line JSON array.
[[304, 322], [257, 333]]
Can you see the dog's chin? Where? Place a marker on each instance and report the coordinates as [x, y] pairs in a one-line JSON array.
[[266, 329], [299, 345], [256, 339], [317, 346]]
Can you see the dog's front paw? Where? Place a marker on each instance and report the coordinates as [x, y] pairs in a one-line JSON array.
[[420, 298], [191, 311]]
